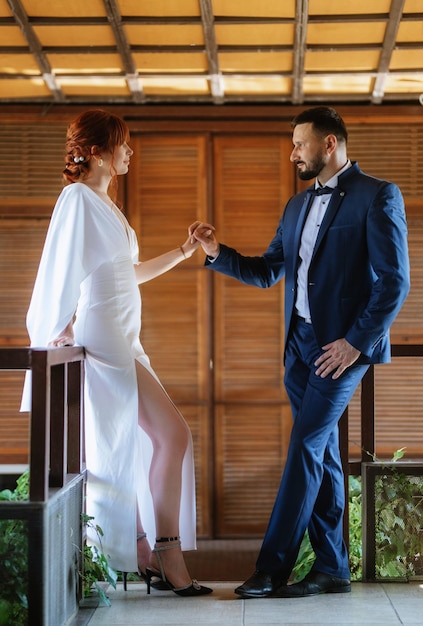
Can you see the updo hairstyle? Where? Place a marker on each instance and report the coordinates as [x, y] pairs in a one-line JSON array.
[[91, 133]]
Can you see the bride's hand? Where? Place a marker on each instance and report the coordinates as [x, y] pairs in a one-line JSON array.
[[65, 338], [189, 247]]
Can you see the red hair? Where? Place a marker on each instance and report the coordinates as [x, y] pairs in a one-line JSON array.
[[91, 133]]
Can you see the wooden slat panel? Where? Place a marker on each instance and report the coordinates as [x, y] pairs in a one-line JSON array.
[[198, 419], [173, 332], [408, 327], [250, 189], [168, 193], [248, 357], [21, 242], [168, 190], [31, 160], [14, 426], [167, 187], [252, 184], [250, 457], [390, 151], [398, 409]]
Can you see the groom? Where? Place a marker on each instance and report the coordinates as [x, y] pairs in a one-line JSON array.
[[342, 247]]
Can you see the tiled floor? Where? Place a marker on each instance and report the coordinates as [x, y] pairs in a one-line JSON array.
[[368, 604]]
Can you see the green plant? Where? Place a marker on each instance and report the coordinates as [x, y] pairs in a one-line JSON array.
[[306, 554], [399, 515], [398, 527], [305, 559], [355, 525], [96, 566], [14, 559]]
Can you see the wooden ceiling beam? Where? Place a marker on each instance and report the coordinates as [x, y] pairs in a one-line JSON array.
[[216, 83], [397, 7], [35, 48], [196, 75], [266, 99], [219, 20], [131, 75], [148, 21], [406, 45], [301, 20]]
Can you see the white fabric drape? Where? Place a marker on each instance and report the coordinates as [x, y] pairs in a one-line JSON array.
[[87, 270]]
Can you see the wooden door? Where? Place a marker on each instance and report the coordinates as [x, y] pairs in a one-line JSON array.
[[253, 178], [167, 188], [217, 344]]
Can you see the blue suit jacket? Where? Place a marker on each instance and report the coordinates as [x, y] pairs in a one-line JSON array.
[[359, 272]]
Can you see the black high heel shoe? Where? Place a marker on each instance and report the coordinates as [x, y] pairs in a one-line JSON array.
[[194, 589], [158, 584]]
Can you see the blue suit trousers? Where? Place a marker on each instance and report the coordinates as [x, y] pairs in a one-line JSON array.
[[311, 493]]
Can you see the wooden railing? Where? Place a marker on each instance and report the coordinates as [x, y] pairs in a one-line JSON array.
[[57, 414], [56, 441], [57, 475]]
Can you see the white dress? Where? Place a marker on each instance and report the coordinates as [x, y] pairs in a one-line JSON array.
[[87, 268]]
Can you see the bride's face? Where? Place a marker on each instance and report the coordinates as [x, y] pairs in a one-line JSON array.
[[118, 161]]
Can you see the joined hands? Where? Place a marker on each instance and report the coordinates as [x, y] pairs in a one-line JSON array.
[[204, 234]]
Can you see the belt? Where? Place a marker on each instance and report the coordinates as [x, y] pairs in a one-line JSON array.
[[307, 320]]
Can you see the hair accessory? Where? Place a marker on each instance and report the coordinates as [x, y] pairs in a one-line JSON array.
[[78, 159]]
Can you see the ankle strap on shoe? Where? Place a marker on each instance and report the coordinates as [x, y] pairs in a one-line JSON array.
[[166, 539], [141, 535], [168, 546]]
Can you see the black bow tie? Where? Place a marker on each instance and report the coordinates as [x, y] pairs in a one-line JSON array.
[[321, 190]]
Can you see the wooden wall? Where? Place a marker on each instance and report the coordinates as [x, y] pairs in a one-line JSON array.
[[216, 344]]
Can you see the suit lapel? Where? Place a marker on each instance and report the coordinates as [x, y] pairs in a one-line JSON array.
[[334, 204], [300, 224]]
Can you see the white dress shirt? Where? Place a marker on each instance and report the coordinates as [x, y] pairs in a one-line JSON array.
[[308, 241]]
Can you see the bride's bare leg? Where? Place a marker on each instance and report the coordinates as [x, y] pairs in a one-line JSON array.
[[169, 434]]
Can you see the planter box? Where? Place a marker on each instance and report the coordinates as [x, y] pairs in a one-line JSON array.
[[392, 521], [54, 552]]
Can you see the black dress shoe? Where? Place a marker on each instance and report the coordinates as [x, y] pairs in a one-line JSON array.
[[314, 584], [259, 585]]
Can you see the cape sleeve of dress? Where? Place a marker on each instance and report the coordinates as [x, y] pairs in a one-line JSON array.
[[72, 250]]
